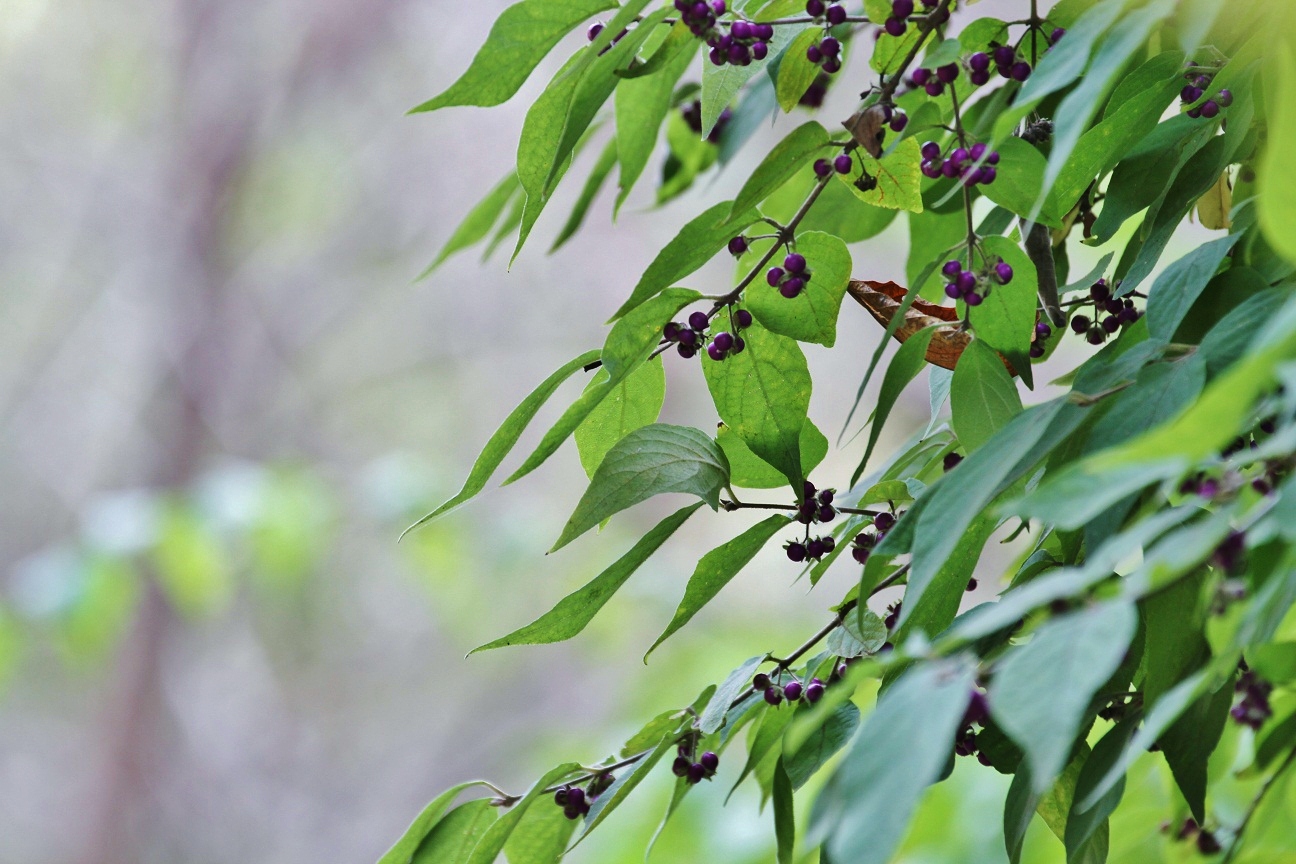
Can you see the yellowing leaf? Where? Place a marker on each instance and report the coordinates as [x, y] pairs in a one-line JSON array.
[[1213, 207], [895, 178]]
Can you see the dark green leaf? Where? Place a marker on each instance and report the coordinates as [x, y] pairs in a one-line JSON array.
[[1082, 825], [1161, 391], [715, 570], [625, 783], [822, 744], [642, 104], [790, 155], [506, 436], [908, 361], [492, 842], [577, 609], [762, 739], [540, 838], [749, 471], [763, 394], [1021, 176], [1041, 691], [811, 316], [1229, 339], [524, 33], [739, 680], [1007, 317], [649, 461], [784, 815], [633, 403], [695, 244], [1176, 289], [983, 397]]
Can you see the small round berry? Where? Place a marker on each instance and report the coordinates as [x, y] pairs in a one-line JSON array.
[[595, 29], [718, 6], [895, 26], [710, 761], [741, 30], [1099, 291], [796, 552], [1004, 272], [792, 690], [760, 681], [575, 797], [827, 495], [979, 77], [814, 691], [829, 544], [671, 332], [759, 51], [993, 158], [1224, 98], [560, 796], [739, 55], [808, 489], [951, 460], [815, 550], [773, 695], [830, 47], [1210, 108], [743, 319], [883, 521], [699, 321], [795, 263], [1004, 56], [947, 74], [686, 351], [836, 14], [972, 585], [952, 291], [680, 766], [973, 299], [934, 88], [792, 287], [1194, 113], [959, 156], [1207, 844], [979, 62], [978, 709], [902, 8], [814, 55], [932, 151], [1080, 323], [1036, 351], [1056, 35], [774, 276], [1043, 330], [951, 269], [1113, 305], [1111, 324], [966, 281], [827, 513], [920, 76], [687, 337], [843, 164], [822, 168], [765, 32], [1096, 336], [860, 554], [715, 352], [1190, 93], [739, 345], [724, 341], [899, 121], [930, 169], [831, 65], [1021, 70], [987, 174], [738, 245], [814, 8], [696, 773]]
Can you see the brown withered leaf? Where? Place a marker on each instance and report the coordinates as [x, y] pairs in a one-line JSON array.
[[882, 300], [866, 128]]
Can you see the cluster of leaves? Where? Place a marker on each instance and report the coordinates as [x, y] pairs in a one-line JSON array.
[[1156, 587]]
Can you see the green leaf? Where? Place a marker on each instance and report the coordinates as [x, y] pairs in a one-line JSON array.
[[642, 104], [840, 212], [739, 680], [811, 316], [633, 403], [760, 741], [628, 345], [540, 838], [479, 221], [795, 71], [453, 839], [402, 852], [763, 395], [716, 569], [784, 815], [749, 471], [983, 397], [1159, 393], [822, 744], [899, 179], [492, 842], [866, 806], [651, 460], [1232, 335], [1041, 691], [624, 784], [524, 33], [1275, 185], [861, 634], [695, 244], [908, 361], [1021, 176], [931, 601], [799, 147], [1006, 320], [932, 236], [720, 84], [1179, 286], [598, 174], [577, 609], [1081, 825]]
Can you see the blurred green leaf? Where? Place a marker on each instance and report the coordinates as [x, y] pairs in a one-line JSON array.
[[193, 566], [784, 815], [452, 840], [540, 838], [402, 852], [738, 681], [479, 221], [492, 841]]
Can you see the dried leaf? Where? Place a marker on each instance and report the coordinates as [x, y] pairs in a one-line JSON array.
[[882, 300], [866, 128], [1213, 207]]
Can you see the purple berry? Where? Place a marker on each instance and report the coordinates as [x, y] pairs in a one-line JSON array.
[[949, 168], [595, 29], [680, 766], [814, 55], [814, 692], [1099, 291], [948, 73], [814, 8], [959, 156], [1096, 336], [808, 489], [987, 174], [951, 459], [1057, 35], [795, 263], [723, 341], [759, 51], [827, 513], [715, 352], [1021, 70], [1036, 351], [1004, 56], [836, 14], [920, 76], [792, 287], [1210, 108], [774, 276], [718, 6], [743, 319], [979, 77], [687, 337], [977, 151], [815, 550], [765, 32], [738, 245], [1043, 330], [761, 681], [739, 345], [717, 57], [843, 164], [699, 321], [831, 65], [740, 30], [934, 88], [883, 521], [575, 797], [930, 169], [979, 62], [902, 8], [796, 552], [966, 281], [899, 122], [709, 761], [1190, 93], [773, 695], [792, 690], [830, 47], [895, 26], [1080, 323], [826, 496], [696, 773], [952, 291], [951, 269], [1004, 272], [1224, 98], [993, 158], [932, 151], [671, 332], [1111, 323]]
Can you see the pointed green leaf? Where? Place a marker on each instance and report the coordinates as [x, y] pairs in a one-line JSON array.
[[540, 838], [1006, 320], [897, 175], [633, 403], [720, 84], [598, 174], [492, 842], [479, 221], [822, 744], [402, 852], [789, 156], [749, 471], [716, 569], [642, 104], [908, 361], [524, 33], [453, 839], [763, 394], [1276, 185], [795, 71], [1178, 287], [983, 397], [1081, 825], [784, 815], [651, 460], [811, 316], [739, 680], [506, 436], [1021, 172]]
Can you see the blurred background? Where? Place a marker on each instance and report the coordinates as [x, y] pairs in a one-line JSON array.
[[222, 396]]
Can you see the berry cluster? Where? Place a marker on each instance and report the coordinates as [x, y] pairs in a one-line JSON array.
[[834, 14], [814, 95], [692, 114], [823, 168], [1193, 90], [826, 54], [973, 165], [792, 277], [1042, 332], [744, 43], [575, 801], [815, 506], [978, 711], [864, 542], [973, 287], [1207, 842], [694, 772], [934, 82], [689, 339], [1253, 708], [897, 23], [791, 691], [1120, 313]]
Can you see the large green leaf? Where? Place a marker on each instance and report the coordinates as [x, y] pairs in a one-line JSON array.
[[633, 403], [402, 852], [763, 394], [695, 244], [577, 609], [453, 839], [865, 809], [822, 744], [811, 316], [506, 436], [1007, 317], [1176, 289], [649, 461], [898, 177], [524, 33], [1021, 176], [716, 569], [1041, 690], [799, 147], [983, 397], [1232, 335], [540, 838], [749, 471], [628, 345], [1276, 184], [909, 360]]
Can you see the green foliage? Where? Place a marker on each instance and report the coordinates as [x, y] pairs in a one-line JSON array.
[[1142, 630]]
